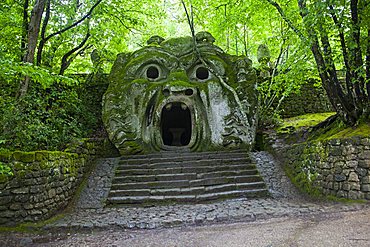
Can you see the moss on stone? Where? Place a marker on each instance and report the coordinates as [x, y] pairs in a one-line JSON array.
[[307, 120], [26, 157]]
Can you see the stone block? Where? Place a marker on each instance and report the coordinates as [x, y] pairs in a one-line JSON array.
[[346, 186], [362, 172], [336, 186], [354, 186], [327, 165], [351, 163], [335, 151], [341, 194], [28, 206], [354, 195], [22, 198], [15, 206], [36, 189], [353, 177], [330, 185], [365, 180], [346, 172], [340, 177], [39, 205], [365, 187], [8, 214], [22, 190], [35, 212], [364, 163], [4, 200], [365, 155]]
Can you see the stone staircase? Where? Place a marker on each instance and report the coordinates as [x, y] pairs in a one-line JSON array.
[[184, 177]]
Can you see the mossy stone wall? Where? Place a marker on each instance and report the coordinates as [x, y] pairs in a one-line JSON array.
[[336, 167], [310, 99], [43, 182]]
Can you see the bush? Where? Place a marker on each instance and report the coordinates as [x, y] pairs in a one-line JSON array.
[[44, 119]]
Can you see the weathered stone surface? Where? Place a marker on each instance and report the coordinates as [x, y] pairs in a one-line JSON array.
[[365, 187], [161, 96], [353, 177], [339, 178], [32, 193]]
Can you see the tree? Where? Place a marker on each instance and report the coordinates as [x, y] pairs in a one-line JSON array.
[[337, 33], [32, 37]]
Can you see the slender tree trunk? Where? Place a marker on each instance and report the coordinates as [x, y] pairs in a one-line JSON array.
[[24, 29], [357, 54], [43, 31], [349, 84], [368, 64], [33, 33]]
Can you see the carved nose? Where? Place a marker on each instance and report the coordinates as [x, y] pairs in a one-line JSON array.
[[178, 91]]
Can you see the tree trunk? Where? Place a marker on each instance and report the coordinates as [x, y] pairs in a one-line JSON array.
[[43, 31], [24, 29], [368, 64], [33, 33]]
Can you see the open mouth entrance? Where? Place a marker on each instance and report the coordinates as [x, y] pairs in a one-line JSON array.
[[176, 124]]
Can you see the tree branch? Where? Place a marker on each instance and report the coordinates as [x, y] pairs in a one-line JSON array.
[[289, 22], [66, 61], [44, 40]]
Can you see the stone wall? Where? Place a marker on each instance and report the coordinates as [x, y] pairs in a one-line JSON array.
[[43, 182], [338, 167], [311, 99]]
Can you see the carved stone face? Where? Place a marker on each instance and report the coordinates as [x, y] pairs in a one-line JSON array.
[[166, 96]]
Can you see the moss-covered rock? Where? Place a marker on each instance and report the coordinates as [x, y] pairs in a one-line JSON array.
[[169, 94]]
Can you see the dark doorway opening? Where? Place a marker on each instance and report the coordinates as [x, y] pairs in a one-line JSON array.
[[176, 125]]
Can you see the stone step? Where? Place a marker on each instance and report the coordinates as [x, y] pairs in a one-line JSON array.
[[180, 180], [184, 177], [173, 162], [171, 154], [155, 200], [152, 185], [187, 190], [193, 178], [174, 170]]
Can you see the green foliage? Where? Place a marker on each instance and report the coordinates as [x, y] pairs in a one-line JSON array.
[[5, 170], [44, 119]]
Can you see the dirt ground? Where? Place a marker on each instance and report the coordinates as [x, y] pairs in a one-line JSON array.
[[336, 229]]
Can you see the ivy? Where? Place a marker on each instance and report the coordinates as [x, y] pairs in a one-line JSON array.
[[5, 170]]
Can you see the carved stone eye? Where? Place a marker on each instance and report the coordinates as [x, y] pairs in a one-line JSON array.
[[152, 72], [202, 73]]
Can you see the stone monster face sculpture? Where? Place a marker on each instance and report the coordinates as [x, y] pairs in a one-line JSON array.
[[169, 95]]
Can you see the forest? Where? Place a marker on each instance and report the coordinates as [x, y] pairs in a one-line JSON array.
[[47, 46]]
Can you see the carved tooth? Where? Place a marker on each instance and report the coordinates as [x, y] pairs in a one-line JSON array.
[[168, 106], [183, 106]]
